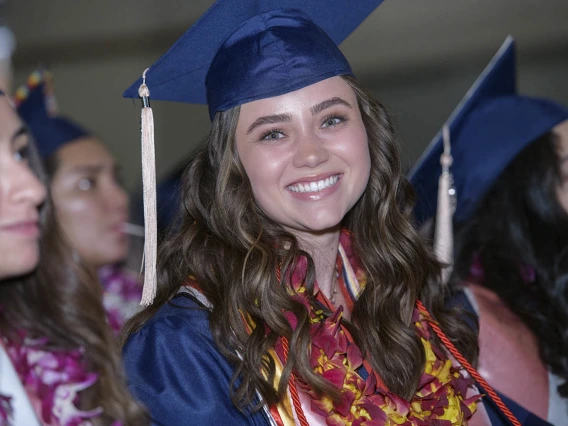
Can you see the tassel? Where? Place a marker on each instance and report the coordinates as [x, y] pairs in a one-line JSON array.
[[149, 191], [444, 237]]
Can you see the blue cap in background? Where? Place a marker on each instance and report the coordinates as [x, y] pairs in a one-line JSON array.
[[35, 104], [490, 126]]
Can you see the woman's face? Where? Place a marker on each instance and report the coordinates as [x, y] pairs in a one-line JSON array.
[[562, 191], [21, 194], [306, 154], [90, 202]]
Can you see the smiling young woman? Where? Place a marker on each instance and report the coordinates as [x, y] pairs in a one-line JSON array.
[[288, 293]]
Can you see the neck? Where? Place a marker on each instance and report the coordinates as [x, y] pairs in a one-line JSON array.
[[323, 249]]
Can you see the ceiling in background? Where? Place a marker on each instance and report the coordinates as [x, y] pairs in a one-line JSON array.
[[417, 56], [401, 33]]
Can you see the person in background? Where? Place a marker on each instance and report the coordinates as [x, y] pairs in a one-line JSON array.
[[59, 362], [90, 202], [510, 261], [289, 292]]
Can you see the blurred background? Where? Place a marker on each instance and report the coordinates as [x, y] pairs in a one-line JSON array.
[[418, 58]]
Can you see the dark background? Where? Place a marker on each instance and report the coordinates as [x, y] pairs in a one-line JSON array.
[[418, 57]]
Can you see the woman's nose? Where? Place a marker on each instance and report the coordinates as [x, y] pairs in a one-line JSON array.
[[26, 186], [310, 151]]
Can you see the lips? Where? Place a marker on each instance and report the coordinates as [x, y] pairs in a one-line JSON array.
[[119, 227], [28, 228]]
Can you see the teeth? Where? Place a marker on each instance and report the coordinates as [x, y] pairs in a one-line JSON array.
[[314, 186]]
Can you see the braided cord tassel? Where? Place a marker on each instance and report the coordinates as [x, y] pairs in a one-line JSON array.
[[443, 238], [149, 190], [294, 390]]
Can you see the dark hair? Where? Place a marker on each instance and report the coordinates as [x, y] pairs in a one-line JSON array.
[[520, 223], [224, 234], [61, 302]]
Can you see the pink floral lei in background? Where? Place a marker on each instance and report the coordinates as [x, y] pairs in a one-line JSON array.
[[55, 378]]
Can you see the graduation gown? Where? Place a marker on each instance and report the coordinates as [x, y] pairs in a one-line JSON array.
[[176, 370]]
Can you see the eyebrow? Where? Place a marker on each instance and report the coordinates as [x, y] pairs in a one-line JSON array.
[[316, 109], [20, 132], [269, 119], [87, 169]]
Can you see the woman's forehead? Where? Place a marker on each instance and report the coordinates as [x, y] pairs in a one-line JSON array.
[[87, 151], [305, 98]]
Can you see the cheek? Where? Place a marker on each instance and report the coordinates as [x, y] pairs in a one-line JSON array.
[[75, 206], [357, 154], [264, 167], [264, 171], [77, 213]]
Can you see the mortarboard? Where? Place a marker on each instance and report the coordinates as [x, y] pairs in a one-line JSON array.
[[490, 126], [237, 52], [240, 51], [35, 104]]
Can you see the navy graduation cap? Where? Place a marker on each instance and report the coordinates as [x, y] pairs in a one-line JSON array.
[[490, 126], [237, 52], [244, 50], [35, 104]]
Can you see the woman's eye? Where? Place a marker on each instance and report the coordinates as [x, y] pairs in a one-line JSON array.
[[86, 184], [22, 155], [272, 135], [332, 121]]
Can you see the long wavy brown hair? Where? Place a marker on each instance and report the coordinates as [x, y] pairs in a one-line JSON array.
[[61, 301], [232, 248]]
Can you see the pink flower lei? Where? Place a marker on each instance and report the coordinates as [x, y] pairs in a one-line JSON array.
[[441, 395], [55, 378]]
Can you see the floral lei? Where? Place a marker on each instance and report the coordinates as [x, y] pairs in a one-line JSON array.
[[121, 295], [441, 395], [55, 377]]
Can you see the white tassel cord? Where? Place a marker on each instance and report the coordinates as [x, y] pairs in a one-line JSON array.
[[149, 191], [443, 239]]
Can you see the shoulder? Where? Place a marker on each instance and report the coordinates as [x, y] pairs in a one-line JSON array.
[[174, 367], [182, 322], [179, 330]]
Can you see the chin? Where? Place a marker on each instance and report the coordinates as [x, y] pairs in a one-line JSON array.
[[116, 258], [321, 225], [109, 257], [25, 264]]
